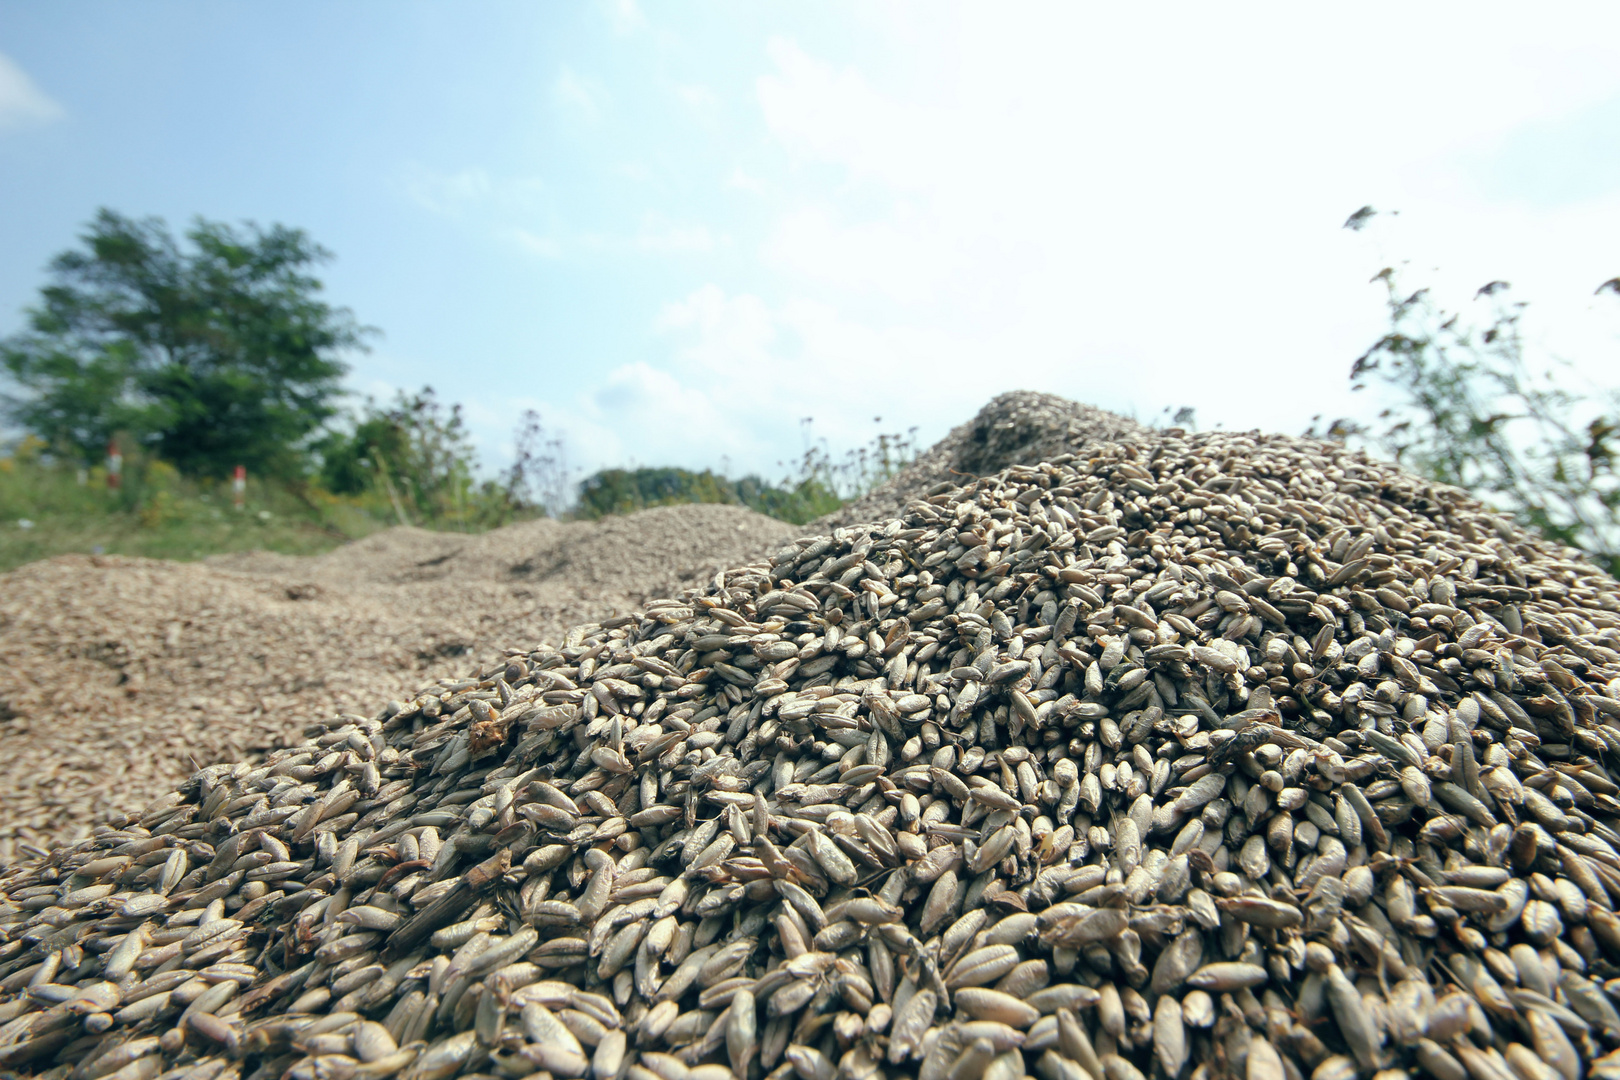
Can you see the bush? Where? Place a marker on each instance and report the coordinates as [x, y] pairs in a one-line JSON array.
[[624, 491], [818, 485], [415, 453]]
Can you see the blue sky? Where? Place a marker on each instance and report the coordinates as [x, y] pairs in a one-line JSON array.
[[676, 229]]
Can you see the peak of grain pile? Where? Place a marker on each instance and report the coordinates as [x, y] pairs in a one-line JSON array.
[[1193, 756], [1017, 428], [120, 677]]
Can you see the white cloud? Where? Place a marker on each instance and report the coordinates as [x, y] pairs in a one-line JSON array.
[[652, 396], [660, 237], [656, 236], [740, 374], [1069, 209], [895, 257], [448, 194], [1119, 206], [646, 414], [625, 16], [734, 333], [546, 247], [709, 398], [470, 191], [502, 207], [577, 96], [700, 99], [817, 112], [741, 181], [22, 104]]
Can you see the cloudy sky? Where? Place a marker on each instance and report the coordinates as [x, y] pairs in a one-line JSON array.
[[678, 229]]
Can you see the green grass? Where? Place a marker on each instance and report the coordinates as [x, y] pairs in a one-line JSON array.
[[161, 515], [47, 508]]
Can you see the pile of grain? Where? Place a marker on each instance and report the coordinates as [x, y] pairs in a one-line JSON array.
[[120, 677], [1017, 428], [1208, 755]]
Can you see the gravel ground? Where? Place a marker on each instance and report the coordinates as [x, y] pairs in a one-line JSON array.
[[119, 677]]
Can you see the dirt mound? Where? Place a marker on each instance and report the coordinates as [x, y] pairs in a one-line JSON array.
[[1017, 428], [119, 677]]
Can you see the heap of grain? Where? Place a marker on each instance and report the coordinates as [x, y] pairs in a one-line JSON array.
[[1200, 755], [1017, 428], [120, 677]]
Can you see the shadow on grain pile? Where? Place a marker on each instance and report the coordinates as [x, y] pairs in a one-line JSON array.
[[1195, 756]]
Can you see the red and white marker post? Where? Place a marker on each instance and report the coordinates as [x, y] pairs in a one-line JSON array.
[[239, 485]]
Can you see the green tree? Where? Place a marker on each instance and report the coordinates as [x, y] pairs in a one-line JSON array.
[[1466, 407], [623, 491], [211, 355], [415, 449], [816, 484], [416, 452]]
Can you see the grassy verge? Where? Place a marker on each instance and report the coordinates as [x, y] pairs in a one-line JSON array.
[[48, 509]]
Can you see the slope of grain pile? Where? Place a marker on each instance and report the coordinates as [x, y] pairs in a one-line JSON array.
[[1017, 428], [120, 677], [1213, 755]]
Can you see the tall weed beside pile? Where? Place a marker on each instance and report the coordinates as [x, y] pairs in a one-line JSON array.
[[1467, 401]]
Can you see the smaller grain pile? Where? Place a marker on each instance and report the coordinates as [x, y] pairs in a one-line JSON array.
[[1197, 756], [120, 677]]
